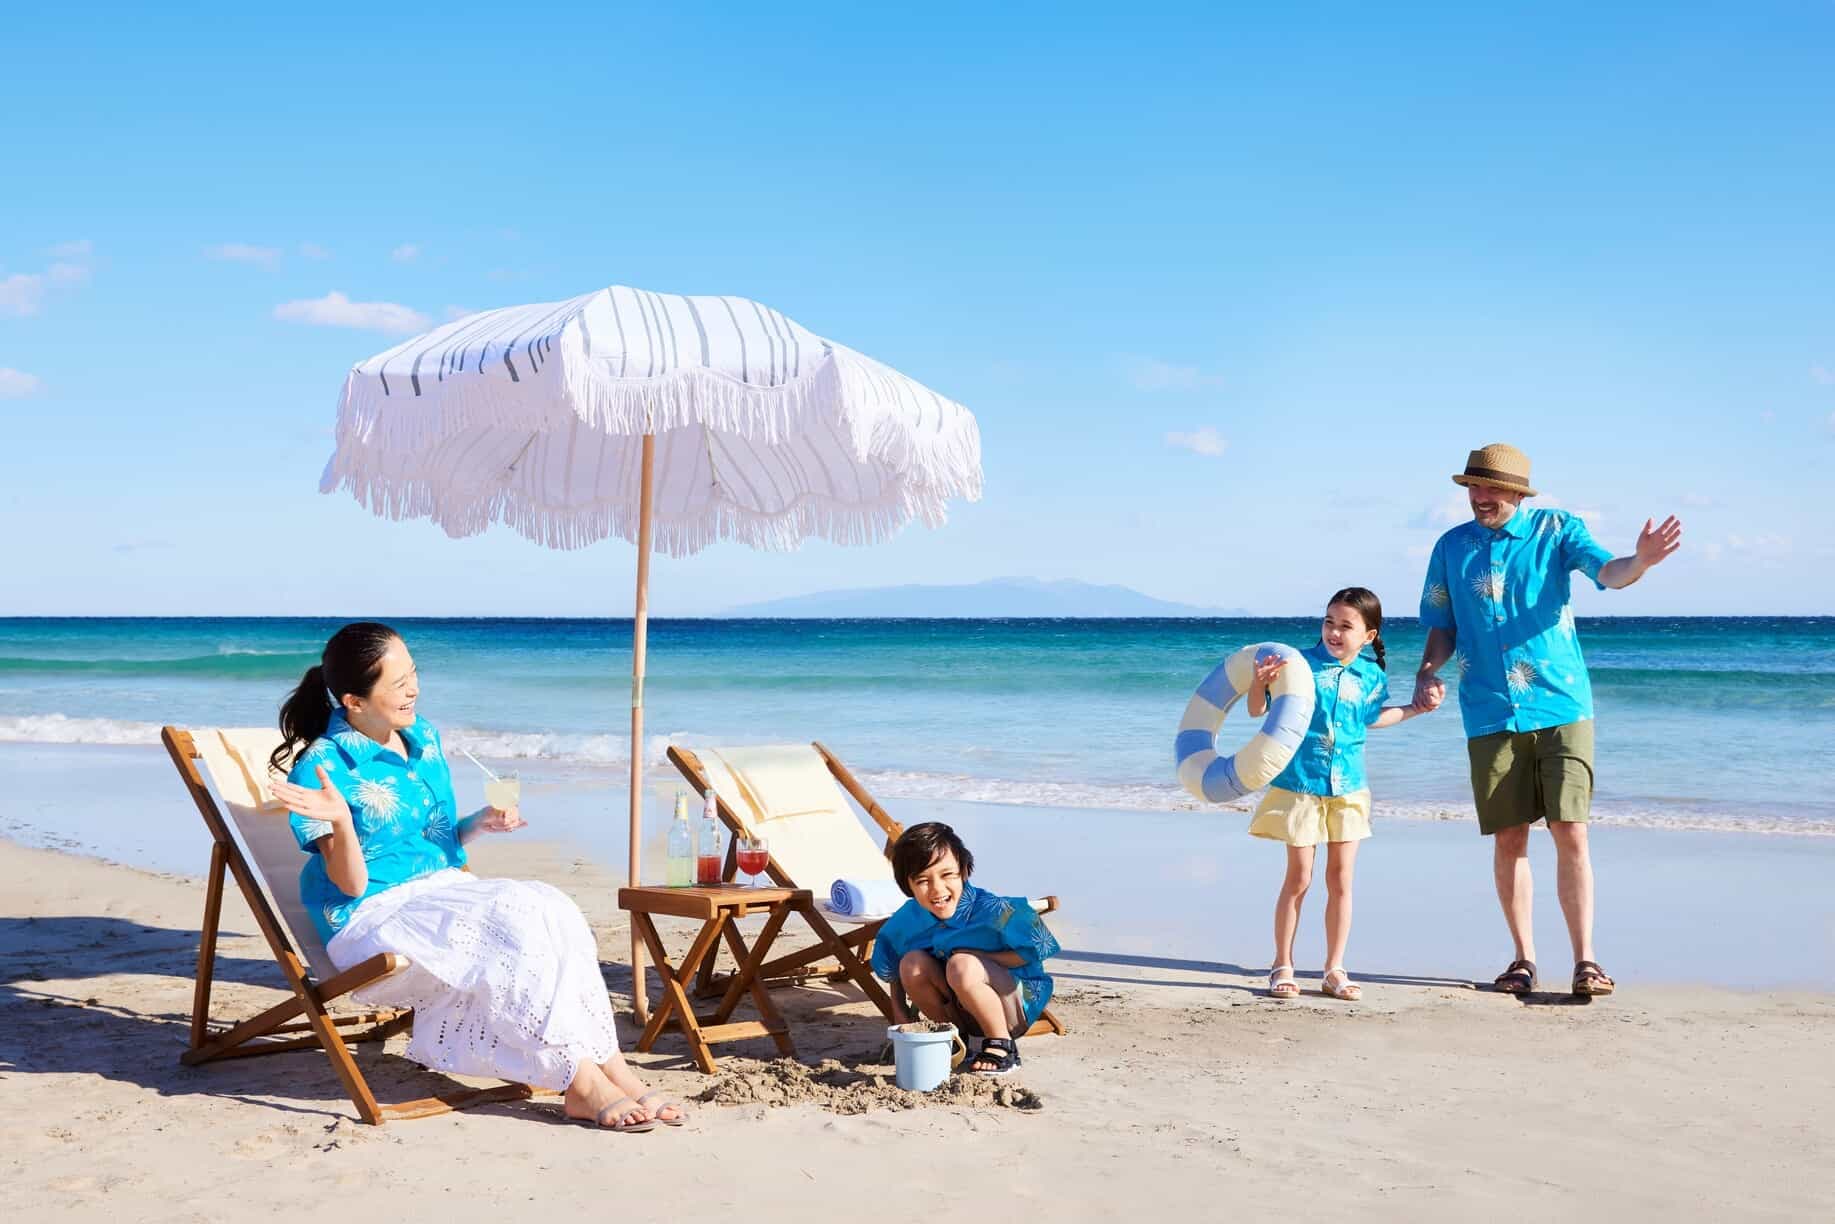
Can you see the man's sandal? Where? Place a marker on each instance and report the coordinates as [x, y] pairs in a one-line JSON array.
[[1281, 984], [1590, 979], [1519, 979], [1345, 989], [1001, 1052], [665, 1102]]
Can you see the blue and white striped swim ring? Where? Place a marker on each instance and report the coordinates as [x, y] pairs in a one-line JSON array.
[[1218, 779]]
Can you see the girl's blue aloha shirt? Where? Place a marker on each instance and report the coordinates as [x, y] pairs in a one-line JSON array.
[[407, 822], [1503, 595], [983, 922], [1330, 760]]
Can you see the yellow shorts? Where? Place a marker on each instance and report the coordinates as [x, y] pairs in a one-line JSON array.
[[1306, 820]]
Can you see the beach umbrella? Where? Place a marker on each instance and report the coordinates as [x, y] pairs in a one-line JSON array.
[[667, 420]]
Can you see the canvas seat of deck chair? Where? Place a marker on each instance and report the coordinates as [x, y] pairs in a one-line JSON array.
[[796, 796], [256, 848]]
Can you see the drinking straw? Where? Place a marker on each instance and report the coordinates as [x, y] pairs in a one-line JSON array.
[[481, 765]]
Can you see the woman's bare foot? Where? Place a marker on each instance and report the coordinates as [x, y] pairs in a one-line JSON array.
[[592, 1094], [619, 1072]]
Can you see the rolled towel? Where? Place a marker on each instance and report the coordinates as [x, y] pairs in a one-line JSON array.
[[864, 898]]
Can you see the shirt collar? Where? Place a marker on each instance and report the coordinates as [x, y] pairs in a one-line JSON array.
[[1317, 653], [1518, 523], [361, 749]]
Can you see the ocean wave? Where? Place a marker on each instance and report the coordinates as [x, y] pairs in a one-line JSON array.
[[229, 663], [594, 755]]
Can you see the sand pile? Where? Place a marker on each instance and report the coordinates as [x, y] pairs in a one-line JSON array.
[[841, 1089]]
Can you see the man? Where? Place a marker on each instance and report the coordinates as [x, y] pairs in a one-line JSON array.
[[1496, 602]]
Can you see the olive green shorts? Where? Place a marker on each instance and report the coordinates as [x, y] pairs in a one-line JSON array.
[[1520, 777]]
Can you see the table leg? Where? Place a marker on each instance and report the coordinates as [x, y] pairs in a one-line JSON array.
[[747, 979], [675, 999]]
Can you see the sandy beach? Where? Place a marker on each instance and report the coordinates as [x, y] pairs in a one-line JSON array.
[[1179, 1084]]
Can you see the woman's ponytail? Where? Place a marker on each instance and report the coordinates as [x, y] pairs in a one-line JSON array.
[[304, 716], [350, 663]]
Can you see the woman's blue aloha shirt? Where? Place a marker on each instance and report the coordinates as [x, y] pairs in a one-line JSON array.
[[407, 822]]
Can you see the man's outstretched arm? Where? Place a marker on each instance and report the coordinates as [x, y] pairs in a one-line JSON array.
[[1654, 545]]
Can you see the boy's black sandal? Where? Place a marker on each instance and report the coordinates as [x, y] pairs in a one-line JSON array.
[[1002, 1052]]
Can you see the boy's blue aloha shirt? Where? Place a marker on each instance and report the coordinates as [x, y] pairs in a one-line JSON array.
[[983, 922], [1349, 696], [407, 822], [1503, 595]]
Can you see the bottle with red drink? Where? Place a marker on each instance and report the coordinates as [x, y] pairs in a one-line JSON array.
[[707, 844]]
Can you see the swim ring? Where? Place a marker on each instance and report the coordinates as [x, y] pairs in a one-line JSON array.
[[1218, 779]]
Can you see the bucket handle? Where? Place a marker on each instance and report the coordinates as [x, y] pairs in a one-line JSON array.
[[958, 1052]]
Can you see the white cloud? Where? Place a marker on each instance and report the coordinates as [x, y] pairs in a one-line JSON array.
[[312, 250], [1204, 441], [17, 384], [21, 293], [1152, 374], [82, 248], [243, 252], [407, 252], [1450, 511], [67, 274], [1761, 547], [1699, 501], [336, 310], [458, 312], [1823, 375]]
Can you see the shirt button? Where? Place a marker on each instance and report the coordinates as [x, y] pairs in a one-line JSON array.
[[413, 775]]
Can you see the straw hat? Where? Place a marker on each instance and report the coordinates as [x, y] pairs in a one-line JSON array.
[[1500, 465]]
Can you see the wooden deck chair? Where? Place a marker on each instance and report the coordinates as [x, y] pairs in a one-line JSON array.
[[796, 796], [236, 762]]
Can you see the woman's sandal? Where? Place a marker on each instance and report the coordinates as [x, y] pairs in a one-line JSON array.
[[1346, 989], [1003, 1052], [617, 1109], [1590, 979], [1281, 984], [1519, 979], [667, 1102]]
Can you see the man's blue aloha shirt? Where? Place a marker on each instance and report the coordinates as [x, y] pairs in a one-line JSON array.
[[407, 822], [1349, 696], [1503, 595], [983, 922]]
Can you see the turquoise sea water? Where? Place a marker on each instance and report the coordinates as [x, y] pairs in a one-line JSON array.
[[1705, 723]]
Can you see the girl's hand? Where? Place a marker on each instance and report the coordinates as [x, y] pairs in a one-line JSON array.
[[500, 820], [1427, 699], [1267, 669], [323, 802]]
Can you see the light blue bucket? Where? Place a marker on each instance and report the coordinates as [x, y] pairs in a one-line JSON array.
[[922, 1061]]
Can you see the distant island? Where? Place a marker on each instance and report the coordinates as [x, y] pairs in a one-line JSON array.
[[997, 597]]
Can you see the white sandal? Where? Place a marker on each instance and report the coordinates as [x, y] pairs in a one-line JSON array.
[[1281, 984], [1346, 989]]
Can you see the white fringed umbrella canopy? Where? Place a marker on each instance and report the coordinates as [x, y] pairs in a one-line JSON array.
[[659, 418]]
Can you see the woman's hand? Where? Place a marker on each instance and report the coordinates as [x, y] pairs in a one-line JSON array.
[[500, 820], [323, 802]]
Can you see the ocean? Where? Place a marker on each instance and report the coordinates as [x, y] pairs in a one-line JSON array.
[[1703, 723]]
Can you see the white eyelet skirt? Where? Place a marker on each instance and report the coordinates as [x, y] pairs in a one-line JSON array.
[[504, 979]]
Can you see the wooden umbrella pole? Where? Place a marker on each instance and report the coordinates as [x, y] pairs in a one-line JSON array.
[[640, 627]]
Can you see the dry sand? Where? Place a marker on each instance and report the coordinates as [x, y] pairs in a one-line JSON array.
[[1180, 1090]]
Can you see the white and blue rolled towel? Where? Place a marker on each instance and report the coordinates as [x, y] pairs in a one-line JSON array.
[[864, 898]]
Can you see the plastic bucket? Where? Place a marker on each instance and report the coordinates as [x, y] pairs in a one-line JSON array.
[[922, 1061]]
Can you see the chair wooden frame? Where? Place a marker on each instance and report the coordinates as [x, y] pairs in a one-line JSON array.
[[278, 1028], [807, 963]]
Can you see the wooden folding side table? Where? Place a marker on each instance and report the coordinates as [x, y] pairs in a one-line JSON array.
[[719, 907]]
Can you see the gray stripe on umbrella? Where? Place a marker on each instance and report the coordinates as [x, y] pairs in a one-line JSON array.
[[699, 327], [744, 362], [770, 343]]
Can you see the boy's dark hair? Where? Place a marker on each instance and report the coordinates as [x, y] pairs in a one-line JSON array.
[[922, 845]]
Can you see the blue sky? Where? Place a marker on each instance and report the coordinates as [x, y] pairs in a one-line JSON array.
[[1231, 295]]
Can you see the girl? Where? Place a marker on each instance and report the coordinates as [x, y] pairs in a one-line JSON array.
[[966, 956], [1321, 795], [504, 979]]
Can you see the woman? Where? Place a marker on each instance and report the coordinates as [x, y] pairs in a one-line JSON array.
[[504, 979]]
